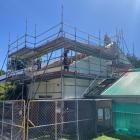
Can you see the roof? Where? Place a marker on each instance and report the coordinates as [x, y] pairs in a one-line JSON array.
[[128, 84]]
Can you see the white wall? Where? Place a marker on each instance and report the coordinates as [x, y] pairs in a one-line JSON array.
[[50, 88], [91, 65], [53, 88], [72, 91]]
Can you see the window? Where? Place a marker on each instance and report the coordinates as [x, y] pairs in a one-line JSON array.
[[107, 114], [100, 114]]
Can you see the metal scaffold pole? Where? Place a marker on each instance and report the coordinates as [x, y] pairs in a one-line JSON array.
[[62, 19], [7, 65], [33, 61], [77, 117]]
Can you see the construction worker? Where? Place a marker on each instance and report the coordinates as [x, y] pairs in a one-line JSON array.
[[39, 62], [65, 60]]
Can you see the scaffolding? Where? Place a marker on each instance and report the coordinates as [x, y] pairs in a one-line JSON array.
[[61, 51]]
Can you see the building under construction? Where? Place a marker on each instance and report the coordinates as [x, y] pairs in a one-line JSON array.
[[63, 62], [59, 68]]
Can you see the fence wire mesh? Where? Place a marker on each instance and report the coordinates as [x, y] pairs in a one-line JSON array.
[[126, 118], [73, 119], [57, 119], [12, 120]]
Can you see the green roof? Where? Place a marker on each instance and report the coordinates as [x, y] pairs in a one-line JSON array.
[[129, 84]]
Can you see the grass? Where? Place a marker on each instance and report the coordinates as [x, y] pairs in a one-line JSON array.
[[105, 138], [124, 137], [117, 137], [63, 139]]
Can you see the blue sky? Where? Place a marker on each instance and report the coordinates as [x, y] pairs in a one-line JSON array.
[[88, 15]]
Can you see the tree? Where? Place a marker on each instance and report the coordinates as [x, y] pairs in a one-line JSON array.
[[12, 91], [4, 88], [15, 92], [134, 60], [2, 72]]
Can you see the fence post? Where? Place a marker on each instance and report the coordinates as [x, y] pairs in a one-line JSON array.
[[77, 119], [27, 112], [24, 120], [2, 119], [62, 116], [12, 122], [55, 120]]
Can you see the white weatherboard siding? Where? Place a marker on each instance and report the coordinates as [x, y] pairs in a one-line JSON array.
[[72, 91], [53, 88], [91, 65], [50, 88]]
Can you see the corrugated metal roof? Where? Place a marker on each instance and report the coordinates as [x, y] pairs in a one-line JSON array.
[[129, 84]]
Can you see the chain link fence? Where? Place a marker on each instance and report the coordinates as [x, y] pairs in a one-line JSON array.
[[47, 120], [12, 120], [57, 119], [126, 118]]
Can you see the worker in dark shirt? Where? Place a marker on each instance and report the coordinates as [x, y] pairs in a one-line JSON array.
[[65, 60]]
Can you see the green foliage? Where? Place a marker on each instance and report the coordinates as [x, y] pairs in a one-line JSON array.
[[2, 72], [12, 91], [123, 137], [115, 136], [134, 60], [15, 93], [63, 139], [5, 88], [105, 138]]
